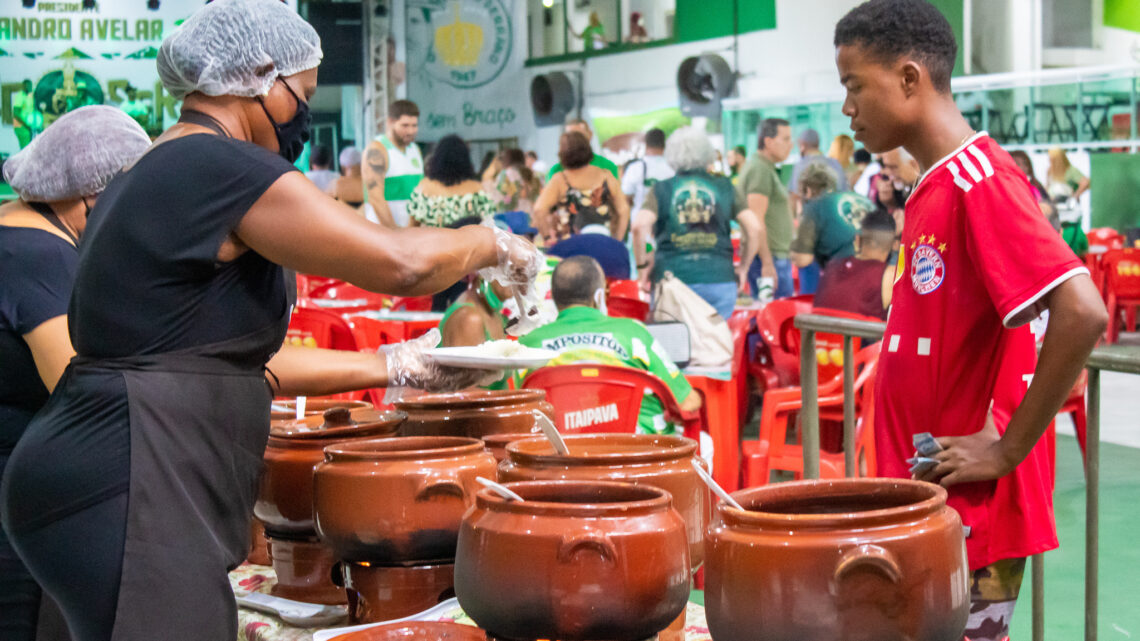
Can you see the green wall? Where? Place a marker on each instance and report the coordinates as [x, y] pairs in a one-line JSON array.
[[1115, 190], [702, 19], [955, 14], [1122, 14]]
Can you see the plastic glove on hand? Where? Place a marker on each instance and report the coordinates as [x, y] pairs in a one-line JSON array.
[[410, 366]]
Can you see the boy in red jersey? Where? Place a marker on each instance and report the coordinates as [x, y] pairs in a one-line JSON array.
[[977, 263]]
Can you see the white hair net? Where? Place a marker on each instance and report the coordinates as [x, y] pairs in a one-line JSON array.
[[77, 155], [349, 157], [237, 48]]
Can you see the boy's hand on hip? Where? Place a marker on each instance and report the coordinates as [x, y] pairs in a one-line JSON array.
[[965, 459]]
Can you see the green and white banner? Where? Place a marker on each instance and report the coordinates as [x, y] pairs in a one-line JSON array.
[[58, 56], [465, 67]]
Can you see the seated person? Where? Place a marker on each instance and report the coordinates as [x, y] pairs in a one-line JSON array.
[[862, 284], [829, 219], [595, 241], [476, 317], [584, 334]]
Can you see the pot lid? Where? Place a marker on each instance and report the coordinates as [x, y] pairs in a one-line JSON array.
[[338, 423]]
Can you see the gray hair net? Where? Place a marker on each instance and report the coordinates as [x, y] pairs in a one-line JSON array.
[[349, 157], [237, 48], [77, 155]]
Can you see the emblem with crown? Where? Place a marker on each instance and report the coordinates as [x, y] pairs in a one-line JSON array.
[[459, 43]]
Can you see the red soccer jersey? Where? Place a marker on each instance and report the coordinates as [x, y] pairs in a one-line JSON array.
[[977, 256]]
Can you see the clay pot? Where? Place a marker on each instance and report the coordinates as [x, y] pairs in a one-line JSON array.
[[382, 593], [496, 444], [258, 546], [417, 631], [473, 413], [313, 406], [285, 500], [304, 569], [660, 461], [572, 561], [398, 500], [852, 559]]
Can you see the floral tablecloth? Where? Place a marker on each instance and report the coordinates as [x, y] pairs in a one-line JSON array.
[[256, 626]]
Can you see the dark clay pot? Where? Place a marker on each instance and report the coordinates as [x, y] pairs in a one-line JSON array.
[[304, 569], [573, 561], [647, 459], [851, 559], [313, 407], [285, 499], [398, 500], [382, 593], [417, 631], [497, 444], [473, 413]]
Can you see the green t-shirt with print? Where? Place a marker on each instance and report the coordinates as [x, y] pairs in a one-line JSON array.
[[693, 231], [585, 335], [599, 161], [760, 176], [828, 224]]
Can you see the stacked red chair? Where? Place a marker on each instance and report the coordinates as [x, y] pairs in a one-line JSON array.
[[1122, 272]]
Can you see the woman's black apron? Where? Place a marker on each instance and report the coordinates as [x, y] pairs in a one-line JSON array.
[[199, 422]]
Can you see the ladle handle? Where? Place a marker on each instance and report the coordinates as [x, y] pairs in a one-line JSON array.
[[551, 432], [868, 556], [714, 486], [501, 490]]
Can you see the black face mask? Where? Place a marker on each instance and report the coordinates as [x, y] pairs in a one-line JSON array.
[[292, 135]]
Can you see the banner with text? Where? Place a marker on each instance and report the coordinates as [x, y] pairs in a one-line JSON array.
[[58, 56], [465, 67]]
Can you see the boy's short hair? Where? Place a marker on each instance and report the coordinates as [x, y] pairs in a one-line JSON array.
[[878, 230], [890, 29]]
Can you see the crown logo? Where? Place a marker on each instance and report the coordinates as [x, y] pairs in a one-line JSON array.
[[459, 43]]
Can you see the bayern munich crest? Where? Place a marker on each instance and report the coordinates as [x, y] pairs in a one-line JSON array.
[[926, 269]]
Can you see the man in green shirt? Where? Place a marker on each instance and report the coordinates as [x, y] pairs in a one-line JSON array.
[[829, 218], [584, 334], [760, 187], [600, 161]]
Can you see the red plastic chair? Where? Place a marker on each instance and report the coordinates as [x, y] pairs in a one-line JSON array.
[[773, 362], [772, 452], [1122, 268], [372, 333], [1075, 407], [622, 307], [624, 289], [589, 398], [314, 327], [1101, 241]]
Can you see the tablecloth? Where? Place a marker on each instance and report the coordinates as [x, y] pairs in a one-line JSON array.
[[256, 626]]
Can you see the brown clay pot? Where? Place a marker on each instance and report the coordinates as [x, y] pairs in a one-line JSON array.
[[384, 592], [852, 559], [304, 569], [496, 444], [473, 413], [313, 407], [285, 500], [660, 461], [417, 631], [398, 500], [258, 546], [572, 561]]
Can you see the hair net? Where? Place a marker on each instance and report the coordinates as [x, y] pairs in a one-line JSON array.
[[77, 155], [237, 48], [349, 157]]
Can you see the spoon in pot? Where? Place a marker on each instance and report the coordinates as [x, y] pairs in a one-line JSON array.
[[501, 490], [301, 407], [715, 487], [551, 433]]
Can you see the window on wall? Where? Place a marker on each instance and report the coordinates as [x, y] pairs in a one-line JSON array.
[[1067, 23], [560, 27]]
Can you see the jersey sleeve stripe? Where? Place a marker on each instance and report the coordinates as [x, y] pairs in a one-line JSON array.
[[962, 183], [970, 168], [982, 160], [1012, 320]]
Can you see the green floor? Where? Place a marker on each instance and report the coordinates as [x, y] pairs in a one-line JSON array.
[[1119, 554], [1064, 567]]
